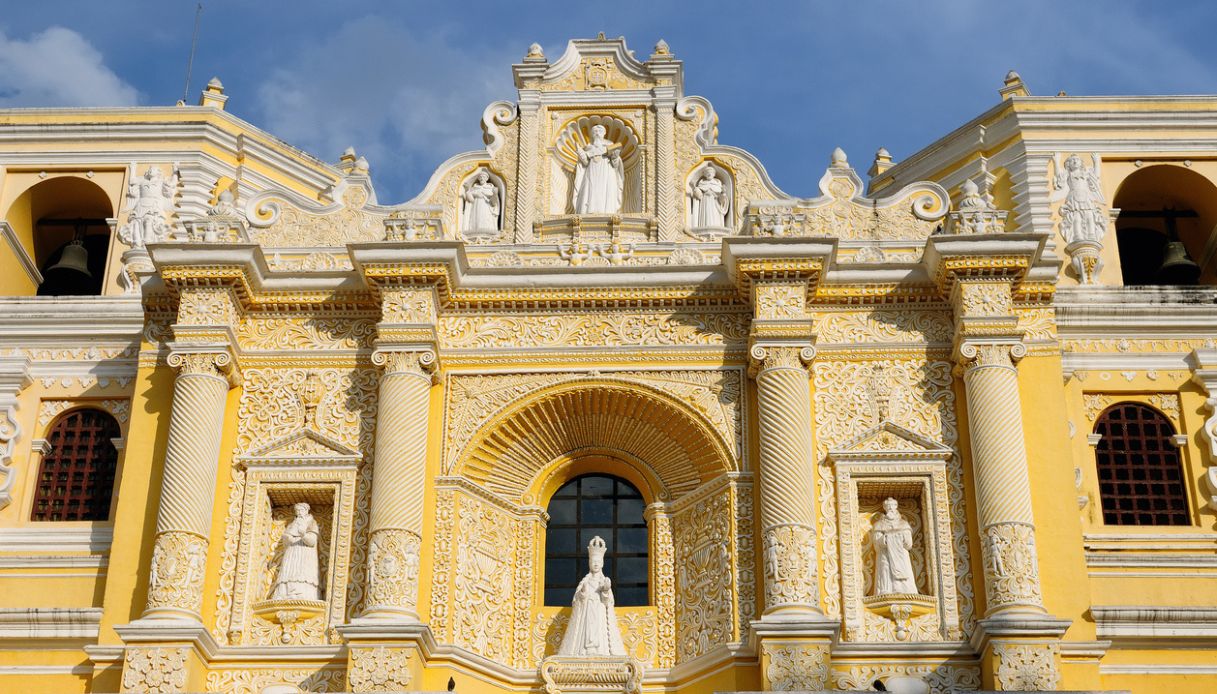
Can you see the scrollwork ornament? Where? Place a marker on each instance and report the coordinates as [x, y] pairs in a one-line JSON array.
[[1000, 354], [796, 667], [393, 562], [420, 362], [1026, 667], [155, 671], [790, 566], [178, 566], [1011, 569], [765, 358], [379, 669], [200, 363]]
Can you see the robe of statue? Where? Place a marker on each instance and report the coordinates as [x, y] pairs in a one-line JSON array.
[[892, 539], [299, 571], [599, 179], [481, 207], [593, 626], [709, 203]]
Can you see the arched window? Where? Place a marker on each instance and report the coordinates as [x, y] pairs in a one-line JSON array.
[[76, 478], [581, 509], [1140, 474]]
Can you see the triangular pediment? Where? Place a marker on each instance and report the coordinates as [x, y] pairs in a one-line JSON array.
[[303, 444], [889, 438]]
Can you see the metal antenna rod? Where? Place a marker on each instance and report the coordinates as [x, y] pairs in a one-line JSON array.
[[194, 43]]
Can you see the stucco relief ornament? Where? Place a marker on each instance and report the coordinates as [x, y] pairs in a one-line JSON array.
[[149, 200], [481, 207], [893, 538], [599, 176], [1083, 212], [299, 574], [976, 213], [593, 626]]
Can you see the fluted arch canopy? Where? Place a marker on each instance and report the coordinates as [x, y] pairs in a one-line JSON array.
[[638, 423]]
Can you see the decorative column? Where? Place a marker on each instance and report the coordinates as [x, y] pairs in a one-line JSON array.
[[398, 481], [526, 174], [205, 372], [14, 378], [1203, 363], [988, 348]]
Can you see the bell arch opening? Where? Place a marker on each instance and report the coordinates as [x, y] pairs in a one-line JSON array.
[[1165, 228], [63, 225]]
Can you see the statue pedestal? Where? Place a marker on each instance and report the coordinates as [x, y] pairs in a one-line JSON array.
[[901, 608], [589, 673], [288, 613]]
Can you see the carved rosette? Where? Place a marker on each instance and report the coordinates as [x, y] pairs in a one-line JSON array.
[[793, 667], [155, 670], [1011, 570], [393, 561], [207, 305], [408, 304], [179, 561], [379, 669], [790, 567], [1026, 667]]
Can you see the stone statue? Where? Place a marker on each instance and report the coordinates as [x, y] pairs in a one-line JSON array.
[[709, 200], [600, 176], [1083, 213], [893, 538], [299, 570], [593, 629], [480, 204], [149, 199]]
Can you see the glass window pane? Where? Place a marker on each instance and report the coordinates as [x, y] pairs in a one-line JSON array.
[[606, 534], [631, 569], [596, 511], [630, 596], [596, 486], [560, 571], [560, 540], [632, 540], [630, 510], [562, 511]]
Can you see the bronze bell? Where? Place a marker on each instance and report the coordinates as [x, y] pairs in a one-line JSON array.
[[74, 257], [1177, 266]]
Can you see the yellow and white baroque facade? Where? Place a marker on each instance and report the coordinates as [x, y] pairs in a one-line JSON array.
[[266, 333]]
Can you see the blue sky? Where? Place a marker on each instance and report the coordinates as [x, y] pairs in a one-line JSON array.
[[405, 82]]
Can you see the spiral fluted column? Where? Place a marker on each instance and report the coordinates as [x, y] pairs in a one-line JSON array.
[[1003, 487], [398, 481], [786, 483], [183, 521]]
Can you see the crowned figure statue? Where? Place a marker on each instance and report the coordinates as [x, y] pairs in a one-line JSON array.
[[600, 175], [299, 570], [893, 538], [593, 629]]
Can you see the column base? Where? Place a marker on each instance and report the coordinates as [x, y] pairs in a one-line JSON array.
[[385, 654], [165, 655], [1020, 651], [794, 648]]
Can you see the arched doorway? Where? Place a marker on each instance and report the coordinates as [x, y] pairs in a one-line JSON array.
[[1165, 228]]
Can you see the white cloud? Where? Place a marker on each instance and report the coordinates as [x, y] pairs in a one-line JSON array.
[[406, 101], [58, 67]]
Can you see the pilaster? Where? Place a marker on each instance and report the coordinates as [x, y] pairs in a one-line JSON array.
[[1203, 363]]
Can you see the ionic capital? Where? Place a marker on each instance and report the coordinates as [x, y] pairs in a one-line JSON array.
[[216, 362], [420, 362], [998, 353], [762, 357]]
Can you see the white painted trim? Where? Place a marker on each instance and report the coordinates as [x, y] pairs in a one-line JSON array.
[[25, 670], [37, 561], [55, 539], [1154, 669], [1141, 621], [49, 622], [19, 252]]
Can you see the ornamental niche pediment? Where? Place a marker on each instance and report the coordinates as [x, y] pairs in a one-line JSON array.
[[601, 156], [300, 447], [890, 439]]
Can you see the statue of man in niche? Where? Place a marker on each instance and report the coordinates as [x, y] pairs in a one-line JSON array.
[[892, 538], [600, 175], [593, 629], [299, 569]]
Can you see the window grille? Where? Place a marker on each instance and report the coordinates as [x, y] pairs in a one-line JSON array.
[[76, 478], [1140, 473]]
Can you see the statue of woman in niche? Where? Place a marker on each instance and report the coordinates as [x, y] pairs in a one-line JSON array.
[[893, 538], [299, 570], [600, 176], [480, 204], [709, 199], [593, 629]]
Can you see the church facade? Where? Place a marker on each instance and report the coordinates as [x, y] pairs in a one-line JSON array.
[[952, 422]]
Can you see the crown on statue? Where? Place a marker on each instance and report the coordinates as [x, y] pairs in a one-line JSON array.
[[596, 548]]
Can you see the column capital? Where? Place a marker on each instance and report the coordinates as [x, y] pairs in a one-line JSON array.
[[418, 360], [1001, 352], [765, 356], [205, 360]]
